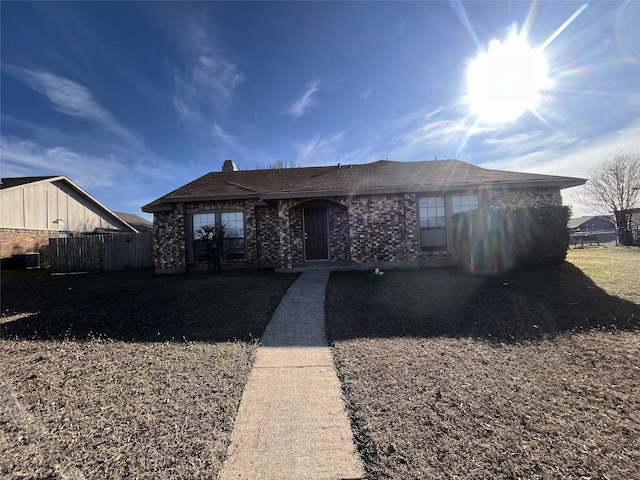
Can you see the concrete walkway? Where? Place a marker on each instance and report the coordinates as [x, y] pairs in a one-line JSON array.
[[292, 422]]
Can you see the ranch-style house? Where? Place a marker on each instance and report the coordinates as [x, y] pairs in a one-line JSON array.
[[385, 213]]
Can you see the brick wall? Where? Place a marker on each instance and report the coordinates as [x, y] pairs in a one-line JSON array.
[[371, 229], [16, 240], [268, 253], [339, 243], [169, 241], [383, 228], [534, 197]]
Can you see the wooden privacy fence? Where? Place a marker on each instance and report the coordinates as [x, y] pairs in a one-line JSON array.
[[98, 253]]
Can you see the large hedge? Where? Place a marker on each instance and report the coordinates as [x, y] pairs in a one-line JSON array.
[[500, 239]]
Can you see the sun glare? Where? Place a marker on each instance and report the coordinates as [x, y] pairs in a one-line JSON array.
[[506, 80]]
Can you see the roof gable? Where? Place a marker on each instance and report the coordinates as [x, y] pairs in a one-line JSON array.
[[14, 182]]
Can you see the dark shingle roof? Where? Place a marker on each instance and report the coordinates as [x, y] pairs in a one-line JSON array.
[[580, 221], [136, 221], [383, 176], [17, 181]]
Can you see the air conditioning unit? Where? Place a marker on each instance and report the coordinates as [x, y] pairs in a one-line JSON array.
[[25, 261]]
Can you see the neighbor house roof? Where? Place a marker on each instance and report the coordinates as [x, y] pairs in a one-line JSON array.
[[580, 221], [17, 181], [379, 177], [141, 224], [13, 182]]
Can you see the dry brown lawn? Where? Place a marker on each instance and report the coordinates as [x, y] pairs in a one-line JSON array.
[[525, 375], [126, 375]]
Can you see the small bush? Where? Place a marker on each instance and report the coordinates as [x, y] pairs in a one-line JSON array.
[[500, 239]]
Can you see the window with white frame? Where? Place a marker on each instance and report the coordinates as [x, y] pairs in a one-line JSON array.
[[433, 235], [232, 226]]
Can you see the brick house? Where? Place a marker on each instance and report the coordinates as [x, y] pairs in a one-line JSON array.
[[35, 209], [379, 214]]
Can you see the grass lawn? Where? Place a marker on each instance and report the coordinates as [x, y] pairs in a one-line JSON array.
[[523, 375], [126, 375]]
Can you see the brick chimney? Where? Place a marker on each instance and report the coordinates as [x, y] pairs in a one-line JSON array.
[[229, 166]]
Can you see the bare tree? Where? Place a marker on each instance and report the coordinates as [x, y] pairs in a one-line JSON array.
[[280, 164], [614, 187]]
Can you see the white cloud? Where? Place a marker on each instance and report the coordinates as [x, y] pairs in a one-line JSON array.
[[562, 155], [26, 158], [206, 84], [565, 156], [227, 145], [366, 93], [74, 99], [306, 101], [319, 150], [443, 137]]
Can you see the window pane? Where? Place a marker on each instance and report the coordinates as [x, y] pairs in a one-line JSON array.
[[433, 239], [233, 223], [430, 209], [432, 216], [234, 248], [202, 219], [462, 203]]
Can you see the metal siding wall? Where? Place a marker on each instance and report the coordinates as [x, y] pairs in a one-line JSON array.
[[12, 208], [35, 207], [83, 216], [53, 221]]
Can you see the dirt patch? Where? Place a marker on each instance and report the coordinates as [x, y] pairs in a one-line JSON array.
[[523, 375], [458, 408], [118, 410], [127, 375]]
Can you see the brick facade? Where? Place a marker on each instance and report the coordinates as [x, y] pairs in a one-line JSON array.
[[169, 241], [18, 240], [523, 197], [363, 229], [383, 228]]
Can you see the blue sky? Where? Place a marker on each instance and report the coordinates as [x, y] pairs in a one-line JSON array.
[[132, 100]]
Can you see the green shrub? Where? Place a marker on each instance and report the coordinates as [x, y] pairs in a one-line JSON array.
[[500, 239]]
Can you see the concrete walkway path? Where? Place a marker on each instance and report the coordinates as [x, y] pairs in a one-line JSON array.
[[292, 422]]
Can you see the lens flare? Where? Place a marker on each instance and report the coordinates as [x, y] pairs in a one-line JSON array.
[[506, 80]]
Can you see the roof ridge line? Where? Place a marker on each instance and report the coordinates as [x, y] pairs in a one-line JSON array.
[[244, 187]]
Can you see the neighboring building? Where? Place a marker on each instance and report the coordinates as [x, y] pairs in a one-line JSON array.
[[592, 223], [593, 228], [34, 209], [380, 214], [142, 225]]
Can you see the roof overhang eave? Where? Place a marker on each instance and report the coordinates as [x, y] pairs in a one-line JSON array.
[[564, 182], [168, 204], [165, 207]]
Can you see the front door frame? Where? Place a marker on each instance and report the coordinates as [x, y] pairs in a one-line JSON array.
[[325, 214]]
